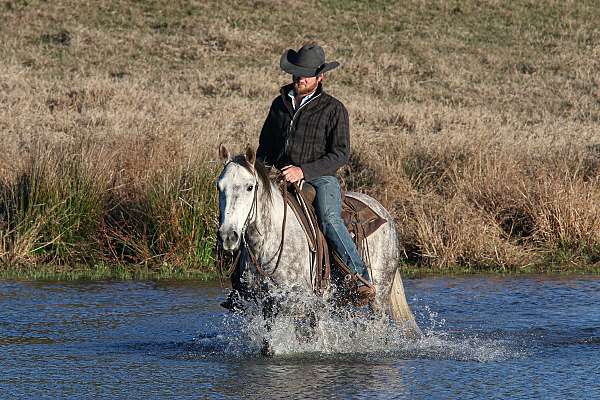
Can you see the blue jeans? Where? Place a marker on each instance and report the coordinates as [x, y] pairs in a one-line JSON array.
[[328, 206]]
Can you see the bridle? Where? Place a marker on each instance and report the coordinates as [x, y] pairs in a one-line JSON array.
[[251, 217]]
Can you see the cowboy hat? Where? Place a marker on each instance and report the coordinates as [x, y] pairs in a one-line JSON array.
[[308, 61]]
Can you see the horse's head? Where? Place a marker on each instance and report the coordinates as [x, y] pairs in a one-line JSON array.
[[238, 186]]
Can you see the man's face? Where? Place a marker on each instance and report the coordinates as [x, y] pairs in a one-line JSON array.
[[304, 85]]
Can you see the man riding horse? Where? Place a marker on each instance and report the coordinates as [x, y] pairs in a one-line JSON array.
[[306, 135]]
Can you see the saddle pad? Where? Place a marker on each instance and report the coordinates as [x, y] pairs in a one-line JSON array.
[[355, 213]]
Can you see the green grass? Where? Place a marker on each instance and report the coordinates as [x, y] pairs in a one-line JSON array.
[[53, 272], [419, 271]]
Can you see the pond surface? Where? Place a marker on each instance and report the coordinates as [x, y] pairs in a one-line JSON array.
[[485, 337]]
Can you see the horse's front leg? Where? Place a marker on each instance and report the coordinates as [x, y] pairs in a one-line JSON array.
[[270, 309]]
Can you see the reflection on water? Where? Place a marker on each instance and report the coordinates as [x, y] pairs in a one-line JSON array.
[[485, 337]]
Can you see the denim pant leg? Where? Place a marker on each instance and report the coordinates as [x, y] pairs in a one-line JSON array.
[[328, 206]]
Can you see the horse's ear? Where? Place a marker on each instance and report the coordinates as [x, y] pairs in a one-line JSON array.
[[250, 155], [224, 153]]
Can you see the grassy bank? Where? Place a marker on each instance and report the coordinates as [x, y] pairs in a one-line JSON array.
[[475, 123], [123, 272]]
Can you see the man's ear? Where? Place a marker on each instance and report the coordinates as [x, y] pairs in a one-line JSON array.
[[224, 153], [250, 155]]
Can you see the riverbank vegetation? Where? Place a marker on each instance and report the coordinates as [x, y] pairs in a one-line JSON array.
[[475, 123]]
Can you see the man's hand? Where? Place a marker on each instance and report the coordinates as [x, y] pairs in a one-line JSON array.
[[292, 173]]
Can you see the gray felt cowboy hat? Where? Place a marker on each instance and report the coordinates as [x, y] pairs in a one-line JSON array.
[[308, 61]]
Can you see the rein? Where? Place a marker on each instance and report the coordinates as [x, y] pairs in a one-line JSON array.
[[253, 258]]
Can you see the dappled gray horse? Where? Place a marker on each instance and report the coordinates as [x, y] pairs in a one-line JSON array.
[[252, 215]]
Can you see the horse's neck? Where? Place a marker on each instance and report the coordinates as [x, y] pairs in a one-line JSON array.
[[287, 257], [268, 222]]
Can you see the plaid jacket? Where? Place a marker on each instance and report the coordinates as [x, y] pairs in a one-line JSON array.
[[316, 137]]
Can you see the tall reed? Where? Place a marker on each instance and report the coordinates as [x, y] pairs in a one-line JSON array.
[[67, 205], [51, 209]]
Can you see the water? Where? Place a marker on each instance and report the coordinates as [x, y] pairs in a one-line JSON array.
[[485, 337]]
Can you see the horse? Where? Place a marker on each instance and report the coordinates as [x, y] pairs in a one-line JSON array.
[[255, 222]]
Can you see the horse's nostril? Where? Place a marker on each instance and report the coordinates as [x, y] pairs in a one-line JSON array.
[[228, 236]]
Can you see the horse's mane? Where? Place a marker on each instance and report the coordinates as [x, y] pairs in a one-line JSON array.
[[261, 171]]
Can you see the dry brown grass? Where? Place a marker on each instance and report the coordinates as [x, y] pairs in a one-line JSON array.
[[476, 124]]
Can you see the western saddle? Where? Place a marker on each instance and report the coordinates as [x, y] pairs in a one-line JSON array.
[[360, 220]]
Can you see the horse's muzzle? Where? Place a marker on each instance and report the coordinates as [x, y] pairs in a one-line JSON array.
[[230, 239]]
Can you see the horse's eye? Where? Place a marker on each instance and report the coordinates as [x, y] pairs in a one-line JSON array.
[[249, 188]]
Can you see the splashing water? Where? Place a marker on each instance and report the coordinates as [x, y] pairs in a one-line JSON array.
[[327, 331]]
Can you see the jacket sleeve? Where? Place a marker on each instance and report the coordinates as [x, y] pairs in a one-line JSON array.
[[266, 151], [338, 147]]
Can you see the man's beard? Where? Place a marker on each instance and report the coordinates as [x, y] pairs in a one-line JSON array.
[[303, 90]]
